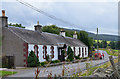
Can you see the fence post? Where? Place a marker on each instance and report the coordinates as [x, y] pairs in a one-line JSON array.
[[114, 67], [119, 60]]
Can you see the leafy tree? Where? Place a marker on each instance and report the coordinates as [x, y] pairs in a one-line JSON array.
[[16, 25], [51, 29], [33, 61], [83, 36], [112, 44], [104, 44], [70, 54], [118, 45]]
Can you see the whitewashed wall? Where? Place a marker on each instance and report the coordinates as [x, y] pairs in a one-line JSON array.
[[77, 51], [40, 50], [87, 52], [81, 52]]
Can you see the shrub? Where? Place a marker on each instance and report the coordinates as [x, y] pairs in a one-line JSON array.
[[33, 61], [77, 57], [70, 54], [55, 61], [68, 60], [43, 63]]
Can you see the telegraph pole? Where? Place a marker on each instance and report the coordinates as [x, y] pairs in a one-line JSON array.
[[97, 39]]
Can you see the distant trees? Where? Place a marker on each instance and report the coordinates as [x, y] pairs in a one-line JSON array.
[[104, 44], [16, 25], [51, 29], [112, 45], [82, 35]]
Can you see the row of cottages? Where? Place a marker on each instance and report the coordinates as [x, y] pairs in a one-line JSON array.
[[19, 42]]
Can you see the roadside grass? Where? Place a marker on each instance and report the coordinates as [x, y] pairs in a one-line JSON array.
[[6, 73], [92, 69], [111, 52]]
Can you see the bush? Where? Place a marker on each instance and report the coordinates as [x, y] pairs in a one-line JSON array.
[[47, 57], [55, 61], [43, 63], [68, 60], [70, 54], [77, 57], [33, 61]]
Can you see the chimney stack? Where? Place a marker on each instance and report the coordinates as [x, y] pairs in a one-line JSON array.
[[3, 12], [75, 35], [38, 27], [3, 20], [62, 32]]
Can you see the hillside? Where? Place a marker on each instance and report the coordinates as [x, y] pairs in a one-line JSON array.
[[104, 37], [101, 36]]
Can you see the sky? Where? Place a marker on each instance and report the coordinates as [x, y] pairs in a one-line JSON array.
[[84, 14]]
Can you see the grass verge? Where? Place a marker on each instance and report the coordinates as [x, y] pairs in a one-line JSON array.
[[111, 52], [91, 70], [6, 73]]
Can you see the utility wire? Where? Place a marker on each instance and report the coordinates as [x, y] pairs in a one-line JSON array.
[[42, 12]]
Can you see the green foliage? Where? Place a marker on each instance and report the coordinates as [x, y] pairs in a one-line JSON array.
[[69, 33], [43, 63], [112, 44], [55, 30], [6, 73], [33, 61], [83, 36], [51, 29], [47, 57], [70, 54], [16, 25], [77, 57], [55, 61], [67, 60], [118, 45], [63, 51]]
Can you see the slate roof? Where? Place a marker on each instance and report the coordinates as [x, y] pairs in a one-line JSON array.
[[34, 37]]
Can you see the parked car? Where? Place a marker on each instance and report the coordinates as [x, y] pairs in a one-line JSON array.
[[99, 55]]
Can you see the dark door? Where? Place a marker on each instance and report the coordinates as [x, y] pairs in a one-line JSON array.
[[61, 56], [8, 61], [82, 52]]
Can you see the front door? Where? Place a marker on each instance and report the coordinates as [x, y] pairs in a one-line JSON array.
[[61, 56]]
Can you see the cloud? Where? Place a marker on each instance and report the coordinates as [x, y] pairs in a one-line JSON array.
[[85, 15], [64, 0]]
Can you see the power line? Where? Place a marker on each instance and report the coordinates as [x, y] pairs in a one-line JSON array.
[[42, 12]]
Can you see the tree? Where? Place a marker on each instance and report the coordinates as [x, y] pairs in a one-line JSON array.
[[104, 44], [51, 29], [33, 61], [16, 25], [83, 36], [112, 44], [70, 54], [118, 45]]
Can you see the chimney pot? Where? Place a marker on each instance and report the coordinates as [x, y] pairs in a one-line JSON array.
[[3, 12], [38, 27], [62, 32], [3, 20], [75, 35]]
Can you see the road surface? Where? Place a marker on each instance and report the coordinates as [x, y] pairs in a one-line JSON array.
[[70, 68]]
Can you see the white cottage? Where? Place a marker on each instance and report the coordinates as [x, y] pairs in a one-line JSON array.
[[19, 42]]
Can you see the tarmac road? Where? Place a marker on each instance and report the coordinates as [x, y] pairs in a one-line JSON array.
[[71, 68]]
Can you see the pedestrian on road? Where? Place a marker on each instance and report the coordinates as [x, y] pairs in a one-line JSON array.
[[103, 55]]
